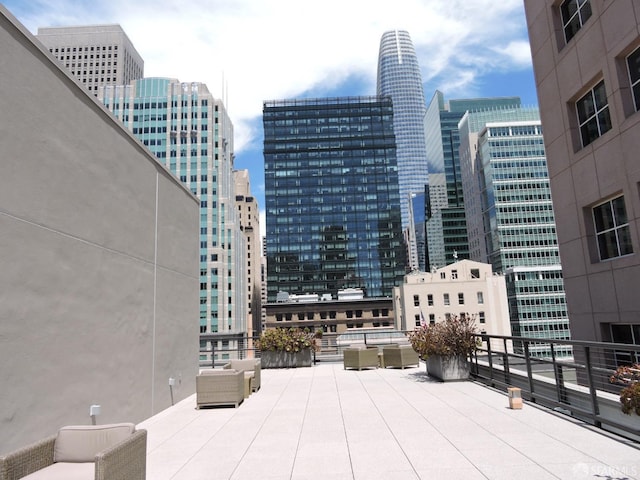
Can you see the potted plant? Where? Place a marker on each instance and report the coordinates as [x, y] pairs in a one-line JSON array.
[[285, 348], [629, 377], [446, 346]]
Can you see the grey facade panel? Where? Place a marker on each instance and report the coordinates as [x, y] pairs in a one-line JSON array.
[[91, 311]]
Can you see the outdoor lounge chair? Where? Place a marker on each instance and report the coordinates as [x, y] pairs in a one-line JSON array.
[[219, 387], [251, 368], [400, 356], [360, 357], [83, 452]]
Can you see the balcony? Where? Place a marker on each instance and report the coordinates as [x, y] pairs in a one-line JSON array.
[[327, 422]]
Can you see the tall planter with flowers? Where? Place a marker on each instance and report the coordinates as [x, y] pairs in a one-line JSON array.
[[285, 348], [446, 346]]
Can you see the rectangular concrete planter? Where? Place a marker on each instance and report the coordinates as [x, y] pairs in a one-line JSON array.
[[280, 359], [448, 369]]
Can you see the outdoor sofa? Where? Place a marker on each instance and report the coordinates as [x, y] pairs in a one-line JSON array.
[[400, 356], [360, 357], [84, 452], [219, 387]]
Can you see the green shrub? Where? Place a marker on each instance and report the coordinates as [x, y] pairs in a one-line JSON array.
[[285, 340]]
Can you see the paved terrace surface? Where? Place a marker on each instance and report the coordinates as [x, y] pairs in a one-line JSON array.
[[327, 423]]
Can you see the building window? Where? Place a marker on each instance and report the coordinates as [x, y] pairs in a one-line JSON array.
[[480, 298], [446, 299], [432, 318], [417, 319], [461, 299], [481, 317], [416, 301], [612, 229], [454, 274], [430, 300], [633, 65], [574, 15], [593, 114]]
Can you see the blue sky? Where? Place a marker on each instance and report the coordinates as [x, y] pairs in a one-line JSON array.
[[248, 51]]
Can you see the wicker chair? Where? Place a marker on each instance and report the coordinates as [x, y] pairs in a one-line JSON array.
[[360, 357], [219, 387], [400, 356], [251, 368], [100, 452]]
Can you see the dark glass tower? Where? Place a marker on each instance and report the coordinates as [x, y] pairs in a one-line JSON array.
[[332, 200]]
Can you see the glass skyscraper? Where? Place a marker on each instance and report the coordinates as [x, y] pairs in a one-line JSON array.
[[332, 200], [399, 77], [446, 226], [511, 219]]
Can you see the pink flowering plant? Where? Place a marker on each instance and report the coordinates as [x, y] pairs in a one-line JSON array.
[[629, 378], [457, 335]]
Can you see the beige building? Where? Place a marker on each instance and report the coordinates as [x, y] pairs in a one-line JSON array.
[[98, 258], [586, 58], [96, 55], [249, 219], [332, 316], [461, 288]]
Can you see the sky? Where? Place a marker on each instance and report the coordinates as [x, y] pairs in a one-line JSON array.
[[248, 51]]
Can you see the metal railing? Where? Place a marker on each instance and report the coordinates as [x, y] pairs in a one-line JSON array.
[[570, 376]]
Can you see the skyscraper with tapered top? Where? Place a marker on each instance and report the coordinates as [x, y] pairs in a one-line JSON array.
[[399, 77]]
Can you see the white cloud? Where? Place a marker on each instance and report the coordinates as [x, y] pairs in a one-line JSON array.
[[268, 49]]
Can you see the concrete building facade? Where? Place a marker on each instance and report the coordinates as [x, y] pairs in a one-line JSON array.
[[189, 130], [98, 284], [503, 160], [249, 219], [461, 288], [586, 58], [96, 55]]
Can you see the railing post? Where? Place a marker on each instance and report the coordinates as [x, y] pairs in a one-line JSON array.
[[505, 363], [490, 360], [592, 388], [561, 390], [529, 372]]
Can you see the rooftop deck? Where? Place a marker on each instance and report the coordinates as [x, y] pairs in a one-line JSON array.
[[327, 423]]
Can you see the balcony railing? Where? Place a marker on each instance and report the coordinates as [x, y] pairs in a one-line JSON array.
[[573, 377]]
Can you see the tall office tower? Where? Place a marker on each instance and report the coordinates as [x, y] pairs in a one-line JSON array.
[[436, 203], [590, 106], [510, 213], [399, 77], [417, 228], [96, 55], [249, 219], [447, 226], [332, 200], [190, 132]]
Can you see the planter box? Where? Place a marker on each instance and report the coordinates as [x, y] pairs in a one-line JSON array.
[[271, 359], [448, 368]]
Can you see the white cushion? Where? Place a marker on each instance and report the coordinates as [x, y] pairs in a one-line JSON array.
[[81, 443], [65, 471]]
